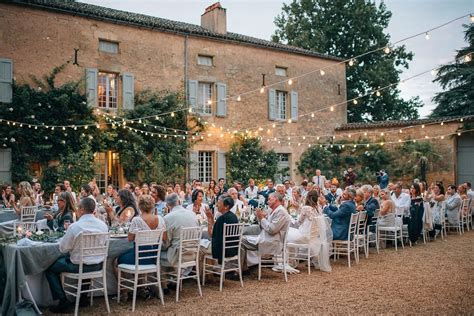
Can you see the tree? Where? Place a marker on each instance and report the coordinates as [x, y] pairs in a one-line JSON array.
[[458, 81], [345, 29], [247, 159]]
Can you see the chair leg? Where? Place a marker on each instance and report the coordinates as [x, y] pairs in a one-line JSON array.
[[119, 276], [309, 261], [221, 281], [396, 239], [135, 284], [106, 297], [178, 282], [348, 256], [240, 272], [401, 239], [160, 288], [259, 268], [204, 272], [285, 262], [197, 277], [32, 298], [78, 295]]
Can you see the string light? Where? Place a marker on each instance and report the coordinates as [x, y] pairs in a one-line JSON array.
[[322, 72], [262, 89], [239, 98], [386, 50], [427, 36], [351, 62], [377, 93], [290, 81], [331, 108], [354, 101], [467, 58], [172, 114]]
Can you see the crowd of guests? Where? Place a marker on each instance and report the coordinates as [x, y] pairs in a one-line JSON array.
[[168, 207]]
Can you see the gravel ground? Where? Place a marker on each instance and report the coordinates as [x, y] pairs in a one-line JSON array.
[[436, 278]]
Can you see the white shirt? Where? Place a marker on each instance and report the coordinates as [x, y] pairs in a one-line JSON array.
[[251, 193], [202, 210], [70, 242], [402, 203], [319, 181], [238, 203]]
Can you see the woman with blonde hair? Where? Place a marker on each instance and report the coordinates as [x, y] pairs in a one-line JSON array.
[[27, 196]]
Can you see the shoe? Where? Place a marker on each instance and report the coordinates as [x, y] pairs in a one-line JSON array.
[[63, 307], [232, 276]]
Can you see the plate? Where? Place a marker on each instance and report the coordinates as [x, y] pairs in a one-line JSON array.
[[123, 235]]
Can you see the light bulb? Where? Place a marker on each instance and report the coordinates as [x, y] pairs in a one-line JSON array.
[[351, 62], [289, 121], [381, 134], [304, 137], [386, 50], [355, 102], [290, 82], [322, 72], [262, 89], [239, 98], [423, 126], [273, 125], [377, 93], [331, 108], [172, 114], [209, 102], [312, 114], [365, 134], [472, 18], [427, 36], [350, 135], [442, 123]]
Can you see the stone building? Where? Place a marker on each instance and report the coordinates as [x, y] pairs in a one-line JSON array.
[[119, 53]]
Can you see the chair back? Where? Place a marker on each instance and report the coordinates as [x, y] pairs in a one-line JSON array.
[[353, 226], [28, 213], [361, 222], [148, 245], [376, 215], [189, 244], [465, 207], [20, 228], [93, 245], [232, 237]]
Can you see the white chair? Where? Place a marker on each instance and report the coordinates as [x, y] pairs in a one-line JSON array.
[[297, 251], [443, 221], [346, 247], [20, 228], [459, 225], [465, 213], [393, 233], [147, 247], [91, 245], [361, 235], [28, 214], [188, 257], [232, 239], [276, 259], [371, 237]]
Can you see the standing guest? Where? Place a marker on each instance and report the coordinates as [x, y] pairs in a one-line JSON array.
[[391, 187], [27, 196], [127, 208], [8, 198], [370, 203], [86, 191], [453, 202], [296, 201], [158, 193], [319, 180], [213, 202], [382, 179], [67, 184], [216, 229], [169, 189], [94, 189], [387, 207], [269, 190], [304, 188], [349, 177], [130, 186], [415, 224], [70, 245], [210, 195], [66, 212], [145, 189], [38, 193], [251, 192], [341, 217], [175, 220]]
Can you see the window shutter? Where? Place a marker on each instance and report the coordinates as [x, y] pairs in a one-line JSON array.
[[221, 99], [221, 165], [193, 165], [6, 79], [294, 105], [5, 165], [128, 91], [192, 93], [91, 86], [272, 104]]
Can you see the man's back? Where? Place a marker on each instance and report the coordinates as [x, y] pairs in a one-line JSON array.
[[217, 235]]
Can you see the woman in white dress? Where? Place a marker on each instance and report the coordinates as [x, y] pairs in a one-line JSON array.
[[387, 215]]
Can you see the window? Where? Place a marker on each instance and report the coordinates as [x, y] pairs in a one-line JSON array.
[[281, 101], [108, 47], [205, 166], [107, 90], [205, 60], [204, 98], [280, 71]]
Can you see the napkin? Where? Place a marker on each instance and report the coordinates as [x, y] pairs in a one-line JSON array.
[[27, 242]]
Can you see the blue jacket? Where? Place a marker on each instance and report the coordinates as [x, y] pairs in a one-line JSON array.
[[370, 206], [383, 180], [341, 218]]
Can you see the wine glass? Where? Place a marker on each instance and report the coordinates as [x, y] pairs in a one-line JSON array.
[[66, 224]]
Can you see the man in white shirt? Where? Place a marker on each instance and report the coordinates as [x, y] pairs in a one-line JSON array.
[[319, 180], [251, 191], [70, 246], [289, 189], [238, 204], [402, 200]]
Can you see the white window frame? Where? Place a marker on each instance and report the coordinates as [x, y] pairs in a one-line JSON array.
[[281, 71], [109, 82], [281, 104], [205, 166], [109, 47], [205, 60], [204, 95]]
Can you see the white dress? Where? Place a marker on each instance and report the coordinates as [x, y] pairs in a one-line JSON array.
[[138, 224]]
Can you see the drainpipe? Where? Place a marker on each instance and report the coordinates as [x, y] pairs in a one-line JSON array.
[[186, 99]]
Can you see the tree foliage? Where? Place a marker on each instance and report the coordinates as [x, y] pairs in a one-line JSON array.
[[248, 159], [457, 80], [345, 29]]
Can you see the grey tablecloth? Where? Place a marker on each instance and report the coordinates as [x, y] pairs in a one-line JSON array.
[[7, 218], [17, 262], [7, 215]]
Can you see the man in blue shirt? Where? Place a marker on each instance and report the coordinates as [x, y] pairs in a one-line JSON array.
[[341, 217]]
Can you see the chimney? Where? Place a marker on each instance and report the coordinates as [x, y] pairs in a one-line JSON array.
[[214, 19]]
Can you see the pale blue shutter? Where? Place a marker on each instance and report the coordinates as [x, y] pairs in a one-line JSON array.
[[193, 165], [294, 105], [272, 104], [221, 165], [221, 99], [128, 91], [91, 86], [6, 79], [192, 93], [5, 165]]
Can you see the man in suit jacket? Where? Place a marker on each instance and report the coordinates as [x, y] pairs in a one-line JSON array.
[[319, 180], [370, 204], [176, 219], [341, 216]]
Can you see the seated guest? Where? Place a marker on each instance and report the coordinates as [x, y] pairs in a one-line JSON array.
[[273, 227], [127, 208], [251, 191], [401, 200], [302, 231], [268, 190], [359, 200], [387, 207], [280, 188], [415, 223], [296, 200], [435, 196], [238, 204], [327, 188], [198, 206], [38, 193], [110, 195], [67, 209], [145, 189], [453, 202], [332, 197], [158, 193], [376, 193], [216, 229], [86, 223], [27, 196], [341, 217], [8, 198], [370, 203], [137, 192], [304, 188], [288, 189], [175, 220]]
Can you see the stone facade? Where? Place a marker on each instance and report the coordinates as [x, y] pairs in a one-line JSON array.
[[37, 40]]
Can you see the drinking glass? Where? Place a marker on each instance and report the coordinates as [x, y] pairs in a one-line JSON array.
[[66, 224]]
